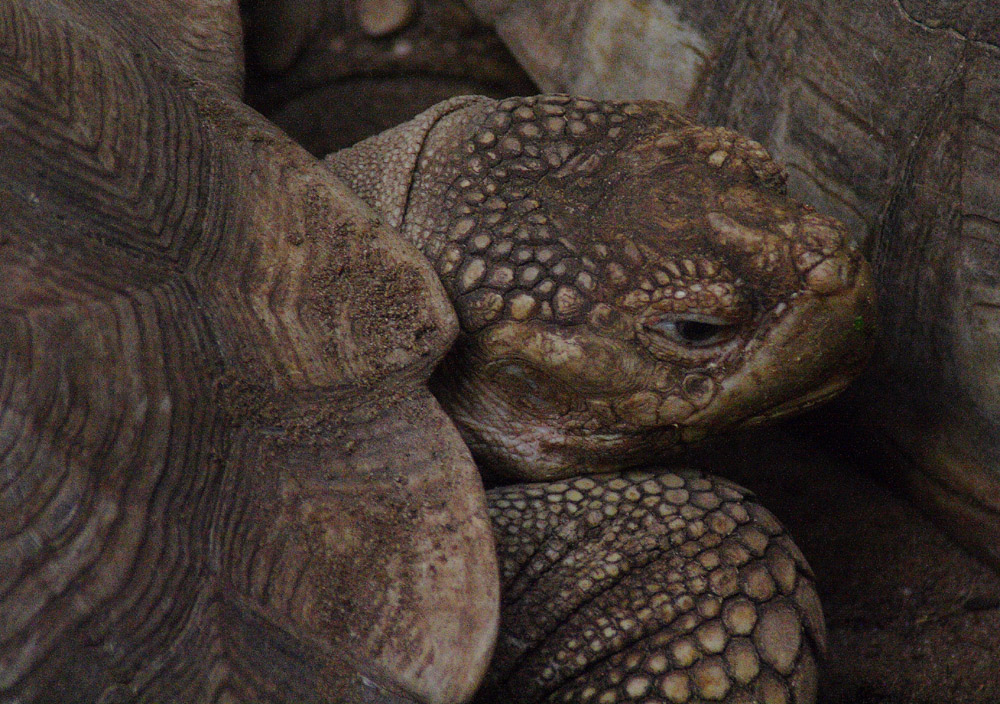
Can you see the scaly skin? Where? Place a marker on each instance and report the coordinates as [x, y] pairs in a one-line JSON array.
[[626, 281], [670, 588]]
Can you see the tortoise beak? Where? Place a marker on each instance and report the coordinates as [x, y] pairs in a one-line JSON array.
[[809, 354]]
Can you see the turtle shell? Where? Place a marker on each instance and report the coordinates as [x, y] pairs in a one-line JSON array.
[[332, 74], [221, 475]]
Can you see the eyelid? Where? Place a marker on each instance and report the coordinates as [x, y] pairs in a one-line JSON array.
[[692, 317]]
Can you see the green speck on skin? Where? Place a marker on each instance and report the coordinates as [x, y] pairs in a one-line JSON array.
[[859, 324]]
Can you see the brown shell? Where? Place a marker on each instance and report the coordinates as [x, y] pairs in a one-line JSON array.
[[331, 74], [221, 476]]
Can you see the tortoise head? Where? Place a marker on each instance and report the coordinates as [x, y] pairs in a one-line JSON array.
[[627, 282]]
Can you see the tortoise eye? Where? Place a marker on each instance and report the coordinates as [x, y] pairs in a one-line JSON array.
[[694, 330]]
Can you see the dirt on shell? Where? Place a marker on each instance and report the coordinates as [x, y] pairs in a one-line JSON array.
[[388, 315]]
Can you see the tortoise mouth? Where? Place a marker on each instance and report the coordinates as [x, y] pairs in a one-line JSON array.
[[815, 398]]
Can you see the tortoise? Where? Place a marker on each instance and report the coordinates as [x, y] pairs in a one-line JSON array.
[[856, 98], [224, 477], [885, 113], [882, 110]]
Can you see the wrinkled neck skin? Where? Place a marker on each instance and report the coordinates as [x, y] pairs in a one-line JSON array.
[[627, 282]]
